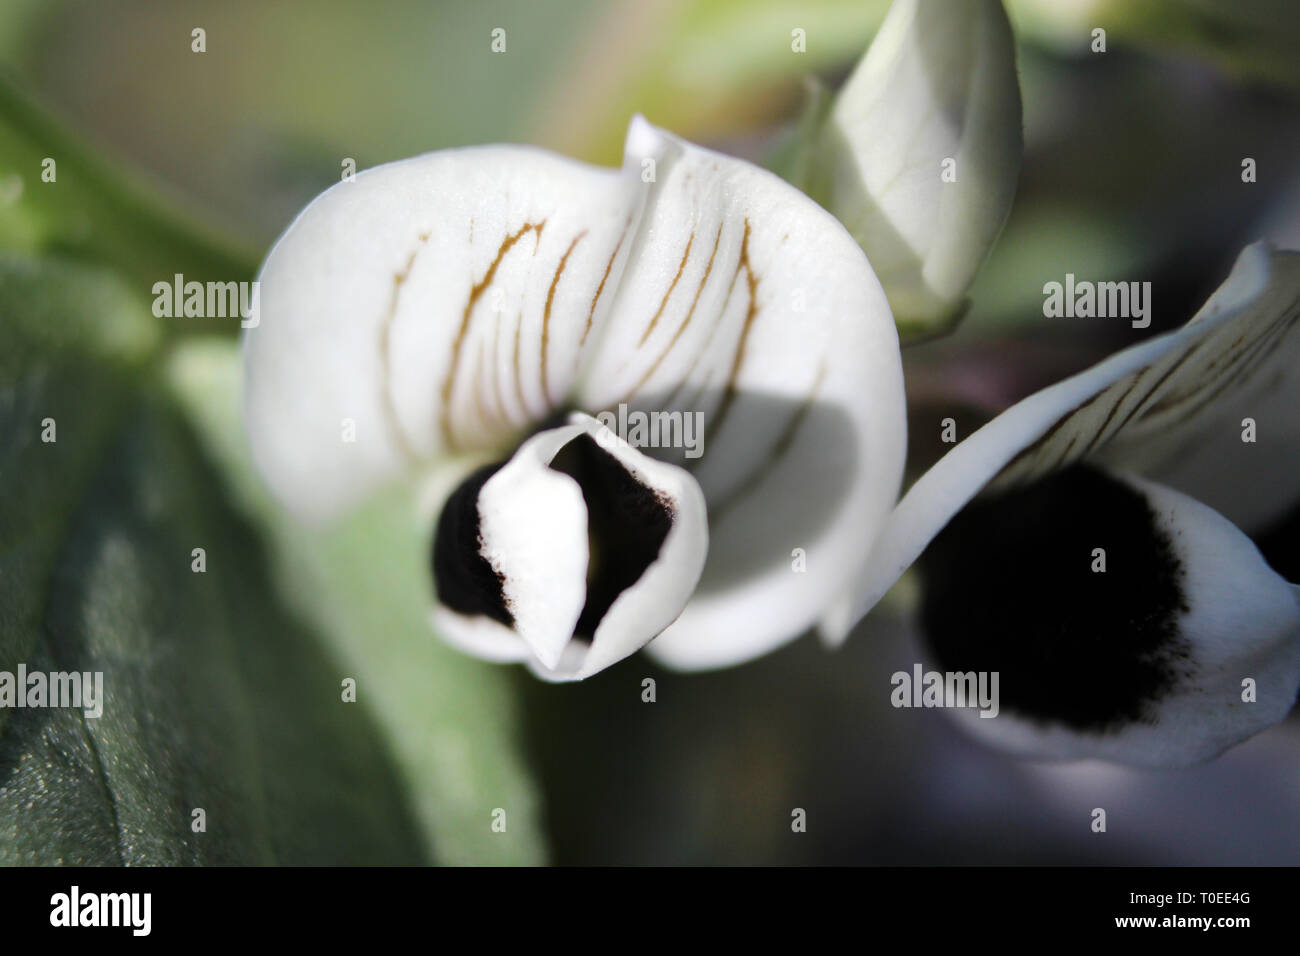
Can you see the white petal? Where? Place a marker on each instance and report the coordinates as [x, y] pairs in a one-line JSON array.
[[1160, 386], [937, 86], [1183, 643], [1197, 446], [479, 636], [1252, 484], [433, 305], [534, 523], [533, 528], [646, 608], [749, 306]]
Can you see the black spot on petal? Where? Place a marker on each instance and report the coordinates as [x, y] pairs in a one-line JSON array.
[[1009, 587], [465, 581], [627, 524]]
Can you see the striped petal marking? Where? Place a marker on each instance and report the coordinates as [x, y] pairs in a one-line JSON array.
[[1159, 393]]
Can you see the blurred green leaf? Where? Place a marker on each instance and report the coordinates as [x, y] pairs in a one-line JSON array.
[[218, 695], [70, 333], [57, 196], [214, 696], [706, 69], [1253, 40], [260, 123], [364, 584]]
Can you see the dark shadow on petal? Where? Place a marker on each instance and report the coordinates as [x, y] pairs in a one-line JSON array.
[[775, 473]]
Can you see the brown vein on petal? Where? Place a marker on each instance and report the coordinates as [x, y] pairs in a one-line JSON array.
[[475, 292], [1137, 408], [1239, 367], [1099, 436], [591, 313], [546, 314], [1257, 356], [684, 323], [1243, 367], [681, 266], [704, 350], [519, 379], [497, 394], [1230, 350], [1046, 438], [1141, 408], [729, 392], [1110, 415], [385, 359]]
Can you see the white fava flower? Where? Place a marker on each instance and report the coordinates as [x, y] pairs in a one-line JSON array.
[[1127, 620], [483, 306]]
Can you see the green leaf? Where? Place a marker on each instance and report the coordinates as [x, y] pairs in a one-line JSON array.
[[69, 333], [364, 583], [216, 695]]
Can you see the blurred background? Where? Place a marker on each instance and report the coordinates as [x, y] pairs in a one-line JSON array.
[[1132, 171]]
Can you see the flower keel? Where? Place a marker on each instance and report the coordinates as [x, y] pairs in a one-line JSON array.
[[572, 555]]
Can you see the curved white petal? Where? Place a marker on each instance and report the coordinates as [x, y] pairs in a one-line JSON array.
[[533, 529], [548, 523], [480, 636], [750, 312], [1160, 388], [1181, 643], [1198, 448], [1251, 483], [432, 305], [920, 153], [654, 602]]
